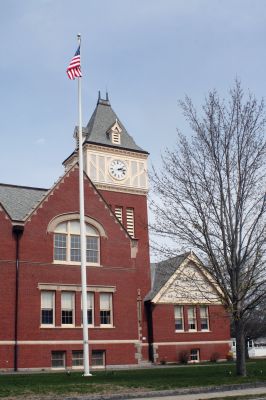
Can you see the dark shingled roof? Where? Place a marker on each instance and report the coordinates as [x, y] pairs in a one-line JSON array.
[[163, 272], [102, 119], [18, 201]]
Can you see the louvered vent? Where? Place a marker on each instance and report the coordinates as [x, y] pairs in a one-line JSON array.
[[130, 222], [116, 137], [118, 213]]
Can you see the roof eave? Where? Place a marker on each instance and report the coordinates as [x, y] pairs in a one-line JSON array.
[[115, 147]]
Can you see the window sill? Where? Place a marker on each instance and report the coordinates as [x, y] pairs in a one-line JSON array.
[[71, 263], [76, 327], [105, 326], [46, 326]]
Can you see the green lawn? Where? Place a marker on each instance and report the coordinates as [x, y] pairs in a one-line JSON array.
[[117, 381]]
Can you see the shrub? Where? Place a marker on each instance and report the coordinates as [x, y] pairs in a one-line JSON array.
[[184, 356], [215, 356], [230, 356]]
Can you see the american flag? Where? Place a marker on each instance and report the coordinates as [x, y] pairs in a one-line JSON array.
[[73, 70]]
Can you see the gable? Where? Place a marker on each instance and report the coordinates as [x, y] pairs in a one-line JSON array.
[[188, 285], [63, 200]]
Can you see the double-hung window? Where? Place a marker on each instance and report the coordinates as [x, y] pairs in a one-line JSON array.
[[179, 318], [67, 243], [90, 308], [77, 358], [204, 318], [106, 309], [67, 308], [47, 308], [192, 320]]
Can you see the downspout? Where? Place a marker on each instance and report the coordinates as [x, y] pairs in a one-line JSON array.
[[17, 232], [149, 309]]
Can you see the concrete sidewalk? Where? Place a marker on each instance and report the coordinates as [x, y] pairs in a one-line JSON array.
[[261, 392], [195, 393]]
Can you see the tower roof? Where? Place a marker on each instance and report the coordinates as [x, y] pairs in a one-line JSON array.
[[100, 123]]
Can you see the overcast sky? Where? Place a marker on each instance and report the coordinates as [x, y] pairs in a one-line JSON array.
[[147, 53]]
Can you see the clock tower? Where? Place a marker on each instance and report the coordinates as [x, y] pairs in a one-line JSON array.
[[118, 168]]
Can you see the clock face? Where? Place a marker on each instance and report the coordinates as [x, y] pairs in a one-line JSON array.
[[118, 169]]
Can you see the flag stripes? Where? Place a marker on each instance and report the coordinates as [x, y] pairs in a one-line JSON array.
[[74, 69]]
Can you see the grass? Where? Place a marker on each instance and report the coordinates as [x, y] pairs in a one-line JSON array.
[[128, 380]]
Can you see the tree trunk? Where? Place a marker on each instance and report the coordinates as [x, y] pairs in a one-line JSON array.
[[240, 348], [246, 348]]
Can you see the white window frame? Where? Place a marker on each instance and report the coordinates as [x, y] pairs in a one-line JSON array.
[[206, 317], [109, 309], [103, 352], [64, 309], [194, 318], [67, 233], [64, 360], [53, 307], [194, 353], [73, 358], [93, 311], [181, 308]]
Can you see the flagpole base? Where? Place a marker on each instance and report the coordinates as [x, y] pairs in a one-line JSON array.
[[88, 374]]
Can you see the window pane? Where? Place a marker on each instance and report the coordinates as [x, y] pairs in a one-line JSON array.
[[77, 358], [179, 318], [106, 308], [105, 301], [62, 228], [105, 317], [192, 318], [47, 299], [47, 308], [47, 317], [75, 227], [75, 248], [98, 358], [58, 359], [204, 319], [60, 246], [92, 249], [90, 230], [90, 301], [67, 308], [194, 355]]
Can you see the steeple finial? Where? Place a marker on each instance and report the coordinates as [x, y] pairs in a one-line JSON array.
[[99, 96]]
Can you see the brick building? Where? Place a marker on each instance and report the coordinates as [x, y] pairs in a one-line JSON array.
[[40, 286]]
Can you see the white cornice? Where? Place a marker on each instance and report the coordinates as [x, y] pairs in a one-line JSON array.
[[120, 189], [113, 150]]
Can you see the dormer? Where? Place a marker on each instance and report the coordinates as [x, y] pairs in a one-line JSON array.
[[114, 133]]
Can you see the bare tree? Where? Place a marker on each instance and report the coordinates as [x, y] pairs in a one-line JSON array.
[[211, 199]]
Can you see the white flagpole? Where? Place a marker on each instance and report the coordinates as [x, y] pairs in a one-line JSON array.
[[83, 239]]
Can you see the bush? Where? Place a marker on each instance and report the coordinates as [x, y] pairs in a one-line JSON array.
[[230, 356], [184, 356], [215, 356]]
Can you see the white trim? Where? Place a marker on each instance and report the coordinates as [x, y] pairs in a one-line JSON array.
[[52, 342], [198, 342], [75, 216], [191, 257], [76, 288]]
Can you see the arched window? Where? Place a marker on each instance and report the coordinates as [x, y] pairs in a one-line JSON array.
[[67, 243]]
